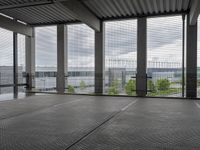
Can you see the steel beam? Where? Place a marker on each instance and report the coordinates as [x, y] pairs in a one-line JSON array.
[[194, 11], [82, 13], [15, 26]]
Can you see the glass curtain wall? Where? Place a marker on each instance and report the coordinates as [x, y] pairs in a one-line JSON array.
[[46, 58], [21, 62], [6, 61], [164, 56], [80, 59], [198, 58], [120, 57]]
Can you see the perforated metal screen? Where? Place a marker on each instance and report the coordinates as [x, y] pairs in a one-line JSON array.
[[46, 58], [120, 57], [80, 59], [164, 56]]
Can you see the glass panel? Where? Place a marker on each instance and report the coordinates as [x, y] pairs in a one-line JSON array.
[[80, 59], [120, 57], [46, 58], [6, 60], [164, 56], [198, 59], [21, 62]]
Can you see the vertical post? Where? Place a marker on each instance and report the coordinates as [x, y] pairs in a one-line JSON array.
[[183, 56], [191, 60], [61, 57], [99, 61], [141, 78], [30, 61], [15, 64]]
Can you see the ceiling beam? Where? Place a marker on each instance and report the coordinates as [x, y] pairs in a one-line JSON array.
[[194, 11], [80, 12], [27, 4], [15, 26]]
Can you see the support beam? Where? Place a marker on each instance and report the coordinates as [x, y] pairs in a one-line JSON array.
[[30, 61], [194, 11], [15, 64], [61, 58], [99, 61], [26, 4], [141, 79], [15, 26], [82, 13], [191, 60]]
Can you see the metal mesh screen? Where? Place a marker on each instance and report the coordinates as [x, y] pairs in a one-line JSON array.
[[21, 61], [6, 60], [198, 58], [80, 59], [46, 58], [120, 57], [164, 56]]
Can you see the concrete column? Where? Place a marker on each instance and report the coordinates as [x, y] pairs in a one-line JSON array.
[[141, 81], [191, 60], [99, 61], [15, 64], [61, 58], [30, 61]]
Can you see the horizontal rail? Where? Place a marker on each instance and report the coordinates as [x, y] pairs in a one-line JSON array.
[[11, 85]]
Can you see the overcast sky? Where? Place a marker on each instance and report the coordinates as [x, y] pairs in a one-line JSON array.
[[164, 42]]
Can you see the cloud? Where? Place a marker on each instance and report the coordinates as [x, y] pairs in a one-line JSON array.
[[164, 41]]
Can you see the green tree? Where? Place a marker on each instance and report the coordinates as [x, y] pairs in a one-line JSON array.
[[130, 87], [163, 84], [82, 85], [113, 89], [71, 89]]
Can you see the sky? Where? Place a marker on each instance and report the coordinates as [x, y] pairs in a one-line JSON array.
[[164, 42]]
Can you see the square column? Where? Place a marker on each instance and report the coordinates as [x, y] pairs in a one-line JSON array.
[[191, 60], [15, 64], [141, 78], [99, 61], [30, 61], [61, 58]]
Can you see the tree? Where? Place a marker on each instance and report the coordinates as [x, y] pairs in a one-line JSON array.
[[113, 89], [71, 89], [82, 85], [163, 84], [130, 87]]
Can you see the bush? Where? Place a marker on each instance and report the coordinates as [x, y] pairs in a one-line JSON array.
[[82, 85], [151, 86], [71, 89], [113, 89], [130, 87], [163, 84]]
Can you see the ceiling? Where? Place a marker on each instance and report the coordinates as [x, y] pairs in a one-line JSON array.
[[43, 12]]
